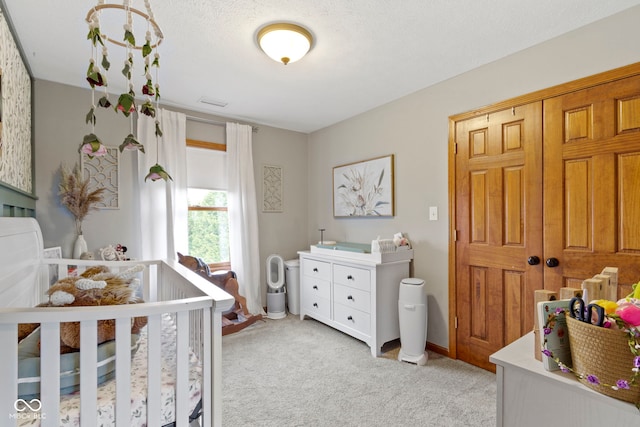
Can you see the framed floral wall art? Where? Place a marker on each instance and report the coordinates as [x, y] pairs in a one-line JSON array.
[[364, 188]]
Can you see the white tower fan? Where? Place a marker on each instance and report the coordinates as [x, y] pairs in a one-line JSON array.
[[276, 292]]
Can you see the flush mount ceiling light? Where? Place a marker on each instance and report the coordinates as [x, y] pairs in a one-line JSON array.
[[285, 43]]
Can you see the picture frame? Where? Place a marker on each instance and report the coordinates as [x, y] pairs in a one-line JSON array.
[[104, 172], [53, 253], [272, 198], [364, 188]]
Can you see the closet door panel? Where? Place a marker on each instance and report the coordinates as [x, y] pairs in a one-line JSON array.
[[577, 202], [499, 222], [591, 181], [629, 190]]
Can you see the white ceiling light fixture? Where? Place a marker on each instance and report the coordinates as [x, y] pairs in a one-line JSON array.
[[284, 42]]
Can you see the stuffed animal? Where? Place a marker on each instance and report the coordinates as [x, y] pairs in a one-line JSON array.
[[96, 286], [400, 241]]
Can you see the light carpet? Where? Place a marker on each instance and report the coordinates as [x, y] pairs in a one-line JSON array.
[[289, 372]]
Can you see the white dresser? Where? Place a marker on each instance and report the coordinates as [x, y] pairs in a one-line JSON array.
[[530, 396], [355, 293]]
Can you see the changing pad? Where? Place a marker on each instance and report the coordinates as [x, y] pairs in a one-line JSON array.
[[347, 246]]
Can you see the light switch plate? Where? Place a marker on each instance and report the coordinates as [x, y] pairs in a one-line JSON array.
[[433, 213]]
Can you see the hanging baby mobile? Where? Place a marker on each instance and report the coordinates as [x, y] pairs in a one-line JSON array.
[[126, 104]]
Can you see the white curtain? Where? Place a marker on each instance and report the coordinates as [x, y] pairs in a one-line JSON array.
[[163, 205], [243, 215]]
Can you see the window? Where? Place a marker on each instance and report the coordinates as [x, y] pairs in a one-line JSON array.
[[209, 226], [208, 219]]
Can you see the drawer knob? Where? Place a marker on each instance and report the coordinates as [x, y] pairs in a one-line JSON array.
[[315, 270], [349, 277], [315, 304], [350, 318], [315, 287], [350, 297]]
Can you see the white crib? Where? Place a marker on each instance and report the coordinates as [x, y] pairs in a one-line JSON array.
[[171, 291]]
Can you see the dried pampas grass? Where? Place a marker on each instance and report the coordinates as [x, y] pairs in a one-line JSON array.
[[75, 195]]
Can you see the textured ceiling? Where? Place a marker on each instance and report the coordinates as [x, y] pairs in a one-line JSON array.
[[366, 52]]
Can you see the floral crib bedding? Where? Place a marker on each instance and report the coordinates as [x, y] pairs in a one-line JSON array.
[[70, 403]]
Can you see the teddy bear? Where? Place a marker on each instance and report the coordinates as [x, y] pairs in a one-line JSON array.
[[96, 286]]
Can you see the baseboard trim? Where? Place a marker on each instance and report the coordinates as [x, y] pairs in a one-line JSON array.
[[437, 349]]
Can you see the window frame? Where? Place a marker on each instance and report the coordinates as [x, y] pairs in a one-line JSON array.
[[219, 147]]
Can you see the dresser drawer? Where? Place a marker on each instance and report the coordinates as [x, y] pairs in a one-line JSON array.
[[352, 318], [315, 305], [317, 269], [313, 287], [351, 297], [351, 276]]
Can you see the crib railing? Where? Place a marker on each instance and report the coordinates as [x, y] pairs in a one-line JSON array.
[[195, 306]]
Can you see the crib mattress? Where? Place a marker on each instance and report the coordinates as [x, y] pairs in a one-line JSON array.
[[70, 404]]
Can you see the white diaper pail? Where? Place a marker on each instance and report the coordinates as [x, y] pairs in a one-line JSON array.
[[412, 311], [276, 291]]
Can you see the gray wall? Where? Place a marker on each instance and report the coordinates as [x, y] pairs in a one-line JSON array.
[[59, 112], [415, 129]]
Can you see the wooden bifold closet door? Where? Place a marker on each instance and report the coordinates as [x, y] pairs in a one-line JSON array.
[[592, 184], [546, 195], [499, 218]]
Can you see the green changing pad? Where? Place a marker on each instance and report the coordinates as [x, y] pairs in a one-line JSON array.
[[362, 248]]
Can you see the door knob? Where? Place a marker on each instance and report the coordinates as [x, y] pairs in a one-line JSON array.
[[533, 260], [552, 262]]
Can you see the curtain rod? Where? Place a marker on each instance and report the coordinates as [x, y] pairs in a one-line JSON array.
[[214, 122]]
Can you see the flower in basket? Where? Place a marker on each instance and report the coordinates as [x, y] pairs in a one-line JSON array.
[[76, 195], [629, 311], [629, 308]]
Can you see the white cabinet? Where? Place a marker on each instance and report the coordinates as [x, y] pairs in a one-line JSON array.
[[530, 396], [354, 293]]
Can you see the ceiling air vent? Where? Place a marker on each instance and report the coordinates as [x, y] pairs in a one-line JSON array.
[[214, 102]]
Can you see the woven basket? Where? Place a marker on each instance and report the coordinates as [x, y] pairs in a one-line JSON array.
[[604, 353]]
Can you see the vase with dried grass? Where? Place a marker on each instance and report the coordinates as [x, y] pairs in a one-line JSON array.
[[79, 199]]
